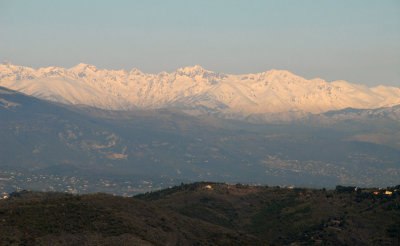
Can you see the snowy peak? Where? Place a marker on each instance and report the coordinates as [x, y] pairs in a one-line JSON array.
[[281, 74], [136, 71], [192, 71], [195, 90], [84, 67], [198, 73]]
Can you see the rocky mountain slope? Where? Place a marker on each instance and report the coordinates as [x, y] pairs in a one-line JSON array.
[[195, 90]]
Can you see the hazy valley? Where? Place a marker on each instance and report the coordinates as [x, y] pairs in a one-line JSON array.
[[80, 149]]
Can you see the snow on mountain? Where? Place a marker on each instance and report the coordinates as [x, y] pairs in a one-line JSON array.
[[195, 90]]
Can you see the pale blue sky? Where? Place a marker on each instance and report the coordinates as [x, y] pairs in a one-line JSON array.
[[357, 40]]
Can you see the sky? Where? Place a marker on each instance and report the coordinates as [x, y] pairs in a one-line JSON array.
[[357, 41]]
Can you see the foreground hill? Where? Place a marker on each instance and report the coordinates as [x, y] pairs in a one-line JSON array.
[[205, 214], [196, 90]]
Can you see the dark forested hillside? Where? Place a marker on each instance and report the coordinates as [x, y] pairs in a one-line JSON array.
[[205, 214]]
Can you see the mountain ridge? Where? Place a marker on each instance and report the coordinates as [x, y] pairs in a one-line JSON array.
[[195, 90]]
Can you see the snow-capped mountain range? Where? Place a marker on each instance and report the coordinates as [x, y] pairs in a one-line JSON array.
[[195, 90]]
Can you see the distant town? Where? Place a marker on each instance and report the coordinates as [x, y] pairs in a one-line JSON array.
[[11, 181]]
